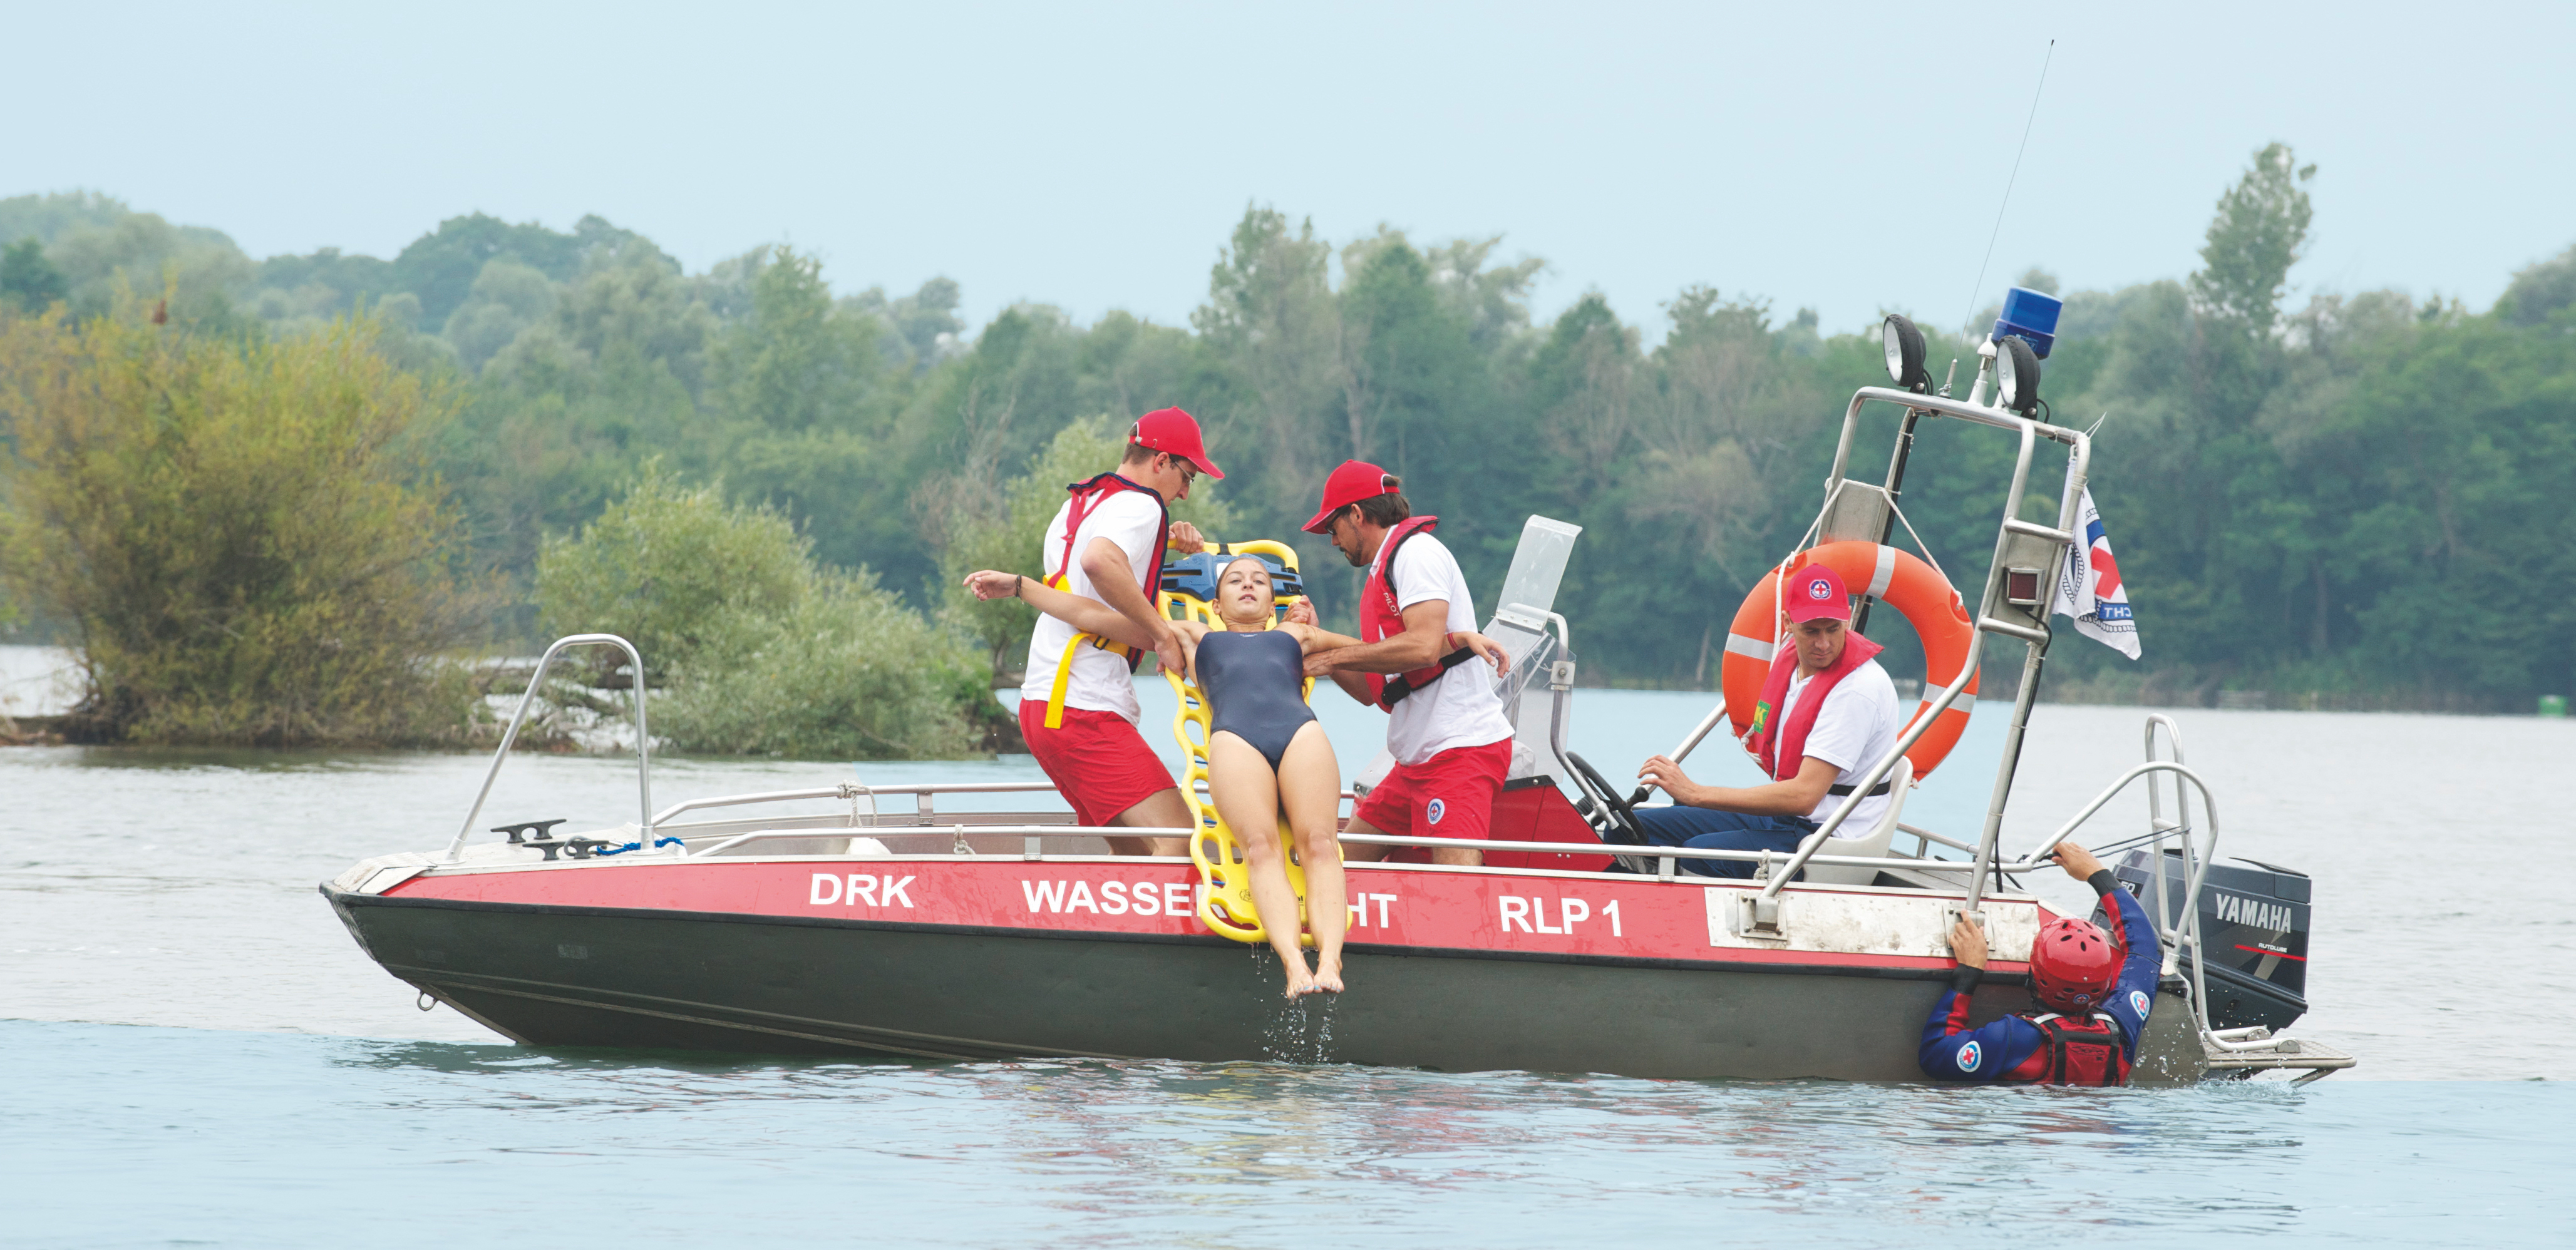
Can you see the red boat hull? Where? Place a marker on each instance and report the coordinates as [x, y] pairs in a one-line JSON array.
[[991, 957]]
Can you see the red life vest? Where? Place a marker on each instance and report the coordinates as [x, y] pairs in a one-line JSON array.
[[1087, 496], [1790, 740], [1381, 618], [2083, 1052]]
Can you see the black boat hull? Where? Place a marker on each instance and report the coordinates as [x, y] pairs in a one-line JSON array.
[[587, 976]]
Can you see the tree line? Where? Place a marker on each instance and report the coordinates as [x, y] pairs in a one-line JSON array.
[[2349, 498]]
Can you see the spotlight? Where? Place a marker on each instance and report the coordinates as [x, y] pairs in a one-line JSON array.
[[1904, 346], [2017, 374]]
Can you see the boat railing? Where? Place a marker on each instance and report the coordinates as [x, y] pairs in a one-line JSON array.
[[1925, 840], [854, 792], [1670, 857], [2182, 934], [528, 699]]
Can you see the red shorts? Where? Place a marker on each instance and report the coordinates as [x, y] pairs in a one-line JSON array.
[[1097, 760], [1450, 795]]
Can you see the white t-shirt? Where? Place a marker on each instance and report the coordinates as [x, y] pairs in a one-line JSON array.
[[1460, 709], [1856, 728], [1101, 681]]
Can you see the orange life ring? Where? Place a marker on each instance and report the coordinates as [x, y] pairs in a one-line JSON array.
[[1904, 582]]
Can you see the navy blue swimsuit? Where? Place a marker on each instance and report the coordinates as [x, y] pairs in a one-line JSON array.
[[1255, 686]]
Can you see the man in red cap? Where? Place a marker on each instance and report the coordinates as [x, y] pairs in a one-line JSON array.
[[1451, 742], [1827, 713], [1078, 705]]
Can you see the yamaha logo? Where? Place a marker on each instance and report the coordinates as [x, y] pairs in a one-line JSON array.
[[2253, 912], [1820, 589], [1968, 1057], [1436, 810]]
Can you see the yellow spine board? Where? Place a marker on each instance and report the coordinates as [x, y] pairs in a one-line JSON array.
[[1227, 906]]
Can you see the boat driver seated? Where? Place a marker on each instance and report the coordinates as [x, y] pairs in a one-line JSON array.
[[1828, 712]]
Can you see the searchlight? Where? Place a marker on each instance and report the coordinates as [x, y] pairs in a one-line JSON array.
[[2017, 374], [1904, 346]]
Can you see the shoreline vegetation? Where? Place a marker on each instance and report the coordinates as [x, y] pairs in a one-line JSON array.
[[300, 501]]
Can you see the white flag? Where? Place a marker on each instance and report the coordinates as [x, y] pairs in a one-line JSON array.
[[2089, 588]]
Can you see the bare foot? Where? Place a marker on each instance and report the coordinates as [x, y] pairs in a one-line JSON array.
[[1300, 981], [1328, 977]]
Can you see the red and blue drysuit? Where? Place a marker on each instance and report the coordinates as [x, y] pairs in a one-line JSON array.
[[2026, 1048]]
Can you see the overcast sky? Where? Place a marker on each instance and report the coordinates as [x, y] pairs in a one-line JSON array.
[[1847, 157]]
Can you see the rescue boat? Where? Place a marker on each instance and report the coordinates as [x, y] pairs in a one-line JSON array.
[[891, 927]]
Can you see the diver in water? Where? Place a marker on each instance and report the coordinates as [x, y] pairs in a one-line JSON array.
[[2096, 993], [1267, 754]]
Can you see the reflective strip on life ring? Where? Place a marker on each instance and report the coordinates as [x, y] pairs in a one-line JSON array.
[[1904, 582]]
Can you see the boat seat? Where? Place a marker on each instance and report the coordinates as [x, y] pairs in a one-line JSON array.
[[1874, 843]]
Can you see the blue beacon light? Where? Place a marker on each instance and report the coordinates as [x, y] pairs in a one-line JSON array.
[[2032, 315]]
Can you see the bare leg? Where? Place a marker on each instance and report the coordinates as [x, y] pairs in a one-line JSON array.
[[1247, 796], [1310, 791], [1364, 853], [1163, 809]]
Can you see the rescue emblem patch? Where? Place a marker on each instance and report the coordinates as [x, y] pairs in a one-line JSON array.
[[2138, 1002], [1968, 1057], [1820, 589], [1436, 810]]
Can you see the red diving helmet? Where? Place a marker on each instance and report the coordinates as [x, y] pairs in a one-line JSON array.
[[2074, 964]]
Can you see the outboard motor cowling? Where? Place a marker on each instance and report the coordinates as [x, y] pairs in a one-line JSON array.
[[2254, 927]]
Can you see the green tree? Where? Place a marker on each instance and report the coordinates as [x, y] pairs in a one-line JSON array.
[[27, 279], [2262, 225], [2539, 292], [441, 267], [1272, 327], [760, 651], [506, 299], [238, 535], [802, 399], [195, 269]]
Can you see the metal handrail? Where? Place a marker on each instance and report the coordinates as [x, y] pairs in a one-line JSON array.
[[1927, 838], [643, 739], [1667, 854], [2187, 931], [1974, 414], [846, 790], [2157, 827], [2037, 858], [852, 789]]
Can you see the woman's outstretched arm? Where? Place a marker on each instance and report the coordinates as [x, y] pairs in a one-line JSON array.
[[1315, 639], [1087, 615]]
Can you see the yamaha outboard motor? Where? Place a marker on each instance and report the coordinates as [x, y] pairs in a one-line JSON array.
[[2254, 926]]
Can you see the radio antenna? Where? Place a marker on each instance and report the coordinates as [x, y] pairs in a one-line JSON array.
[[1998, 233]]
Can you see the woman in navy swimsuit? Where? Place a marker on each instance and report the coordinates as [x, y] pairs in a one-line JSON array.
[[1267, 754]]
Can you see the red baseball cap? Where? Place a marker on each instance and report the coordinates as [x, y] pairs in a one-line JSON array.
[[1351, 482], [1174, 432], [1816, 592]]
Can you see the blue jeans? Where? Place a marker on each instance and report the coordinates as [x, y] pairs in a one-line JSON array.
[[1702, 829]]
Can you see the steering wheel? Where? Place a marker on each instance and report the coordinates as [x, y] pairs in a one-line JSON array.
[[1622, 821]]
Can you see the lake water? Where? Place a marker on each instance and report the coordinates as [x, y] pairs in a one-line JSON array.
[[205, 1058]]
